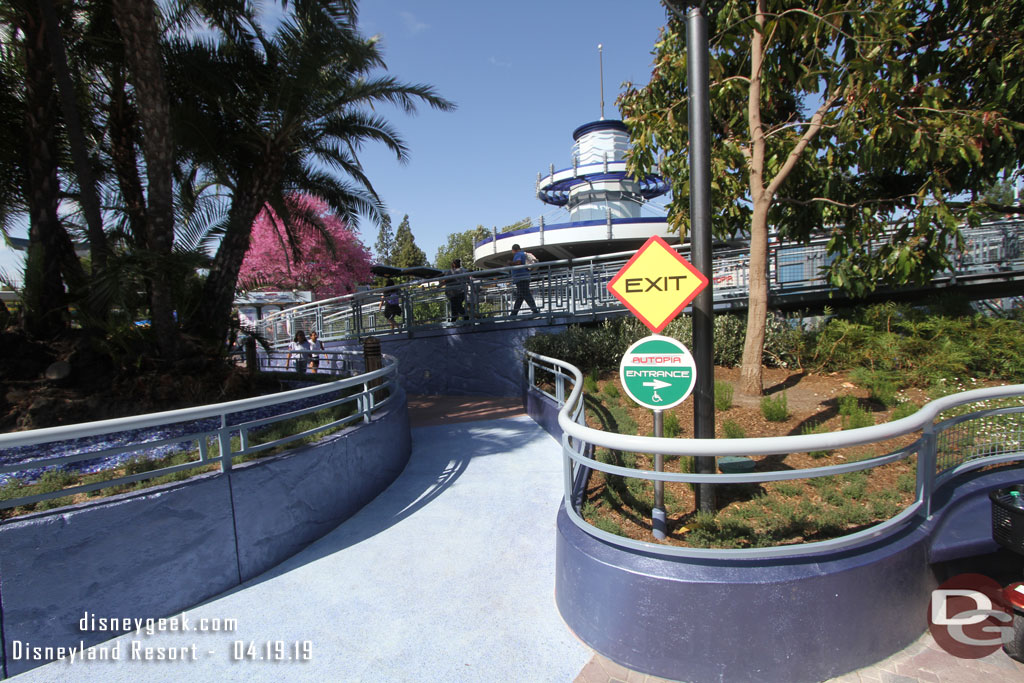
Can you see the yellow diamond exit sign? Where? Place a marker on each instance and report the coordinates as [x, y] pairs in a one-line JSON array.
[[657, 283]]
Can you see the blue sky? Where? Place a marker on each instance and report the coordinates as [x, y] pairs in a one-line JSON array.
[[523, 74]]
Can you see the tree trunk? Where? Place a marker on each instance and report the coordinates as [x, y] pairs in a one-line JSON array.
[[88, 197], [123, 153], [751, 371], [49, 245], [751, 376], [136, 20], [219, 291]]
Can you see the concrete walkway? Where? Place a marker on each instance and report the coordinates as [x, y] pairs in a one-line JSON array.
[[446, 576]]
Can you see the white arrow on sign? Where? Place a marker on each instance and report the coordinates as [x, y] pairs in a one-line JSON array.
[[657, 384]]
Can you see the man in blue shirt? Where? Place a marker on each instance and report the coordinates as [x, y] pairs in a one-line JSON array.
[[521, 278]]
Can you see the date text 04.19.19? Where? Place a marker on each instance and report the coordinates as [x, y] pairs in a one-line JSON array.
[[272, 651]]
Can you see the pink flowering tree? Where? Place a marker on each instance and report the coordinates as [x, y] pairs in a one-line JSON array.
[[324, 255]]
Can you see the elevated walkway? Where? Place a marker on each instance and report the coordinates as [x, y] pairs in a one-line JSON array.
[[575, 290]]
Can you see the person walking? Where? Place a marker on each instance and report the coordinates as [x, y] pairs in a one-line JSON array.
[[455, 290], [391, 302], [302, 349], [316, 345], [521, 279]]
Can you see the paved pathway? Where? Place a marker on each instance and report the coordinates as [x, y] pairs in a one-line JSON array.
[[922, 662], [446, 576]]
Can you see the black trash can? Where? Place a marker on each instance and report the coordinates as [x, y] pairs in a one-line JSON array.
[[1008, 517], [1008, 531]]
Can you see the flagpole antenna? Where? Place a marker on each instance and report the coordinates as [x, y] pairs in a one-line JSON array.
[[600, 60]]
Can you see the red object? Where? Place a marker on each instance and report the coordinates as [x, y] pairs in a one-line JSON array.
[[1014, 594]]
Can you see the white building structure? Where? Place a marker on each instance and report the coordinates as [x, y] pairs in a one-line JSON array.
[[605, 204]]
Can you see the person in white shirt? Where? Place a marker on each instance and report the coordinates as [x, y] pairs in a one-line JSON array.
[[302, 349]]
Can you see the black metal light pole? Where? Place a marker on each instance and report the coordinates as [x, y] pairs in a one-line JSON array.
[[697, 57]]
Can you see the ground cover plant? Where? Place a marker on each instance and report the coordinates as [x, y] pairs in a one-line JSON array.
[[836, 373]]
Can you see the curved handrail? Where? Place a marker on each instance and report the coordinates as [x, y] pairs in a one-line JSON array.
[[922, 421], [369, 392]]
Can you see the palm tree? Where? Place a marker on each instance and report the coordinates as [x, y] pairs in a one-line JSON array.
[[29, 97], [280, 115]]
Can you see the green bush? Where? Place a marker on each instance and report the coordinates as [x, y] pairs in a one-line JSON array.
[[815, 429], [590, 385], [671, 425], [880, 384], [140, 463], [904, 410], [55, 480], [611, 390], [723, 395], [848, 404], [601, 346], [775, 409], [917, 346], [733, 430], [857, 418]]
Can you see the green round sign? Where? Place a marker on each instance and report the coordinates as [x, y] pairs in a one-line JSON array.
[[658, 372]]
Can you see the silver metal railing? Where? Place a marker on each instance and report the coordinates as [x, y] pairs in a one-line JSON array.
[[217, 434], [944, 449], [578, 287]]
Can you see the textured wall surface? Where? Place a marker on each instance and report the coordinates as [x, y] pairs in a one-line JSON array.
[[153, 553], [487, 361], [804, 619]]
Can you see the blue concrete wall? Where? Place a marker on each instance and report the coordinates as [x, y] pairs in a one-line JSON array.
[[801, 620], [480, 360], [159, 551]]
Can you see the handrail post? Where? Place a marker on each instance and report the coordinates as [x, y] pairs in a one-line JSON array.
[[224, 441], [927, 463], [367, 402]]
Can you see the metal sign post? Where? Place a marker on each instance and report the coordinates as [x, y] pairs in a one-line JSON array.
[[659, 524], [658, 373]]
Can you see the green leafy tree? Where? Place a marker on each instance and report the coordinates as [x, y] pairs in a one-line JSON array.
[[385, 245], [459, 246], [863, 118], [406, 254]]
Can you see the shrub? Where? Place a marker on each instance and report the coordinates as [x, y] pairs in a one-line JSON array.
[[55, 480], [671, 425], [815, 429], [590, 385], [848, 404], [139, 464], [605, 524], [880, 384], [733, 430], [775, 409], [611, 390], [857, 418], [904, 410], [723, 395]]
